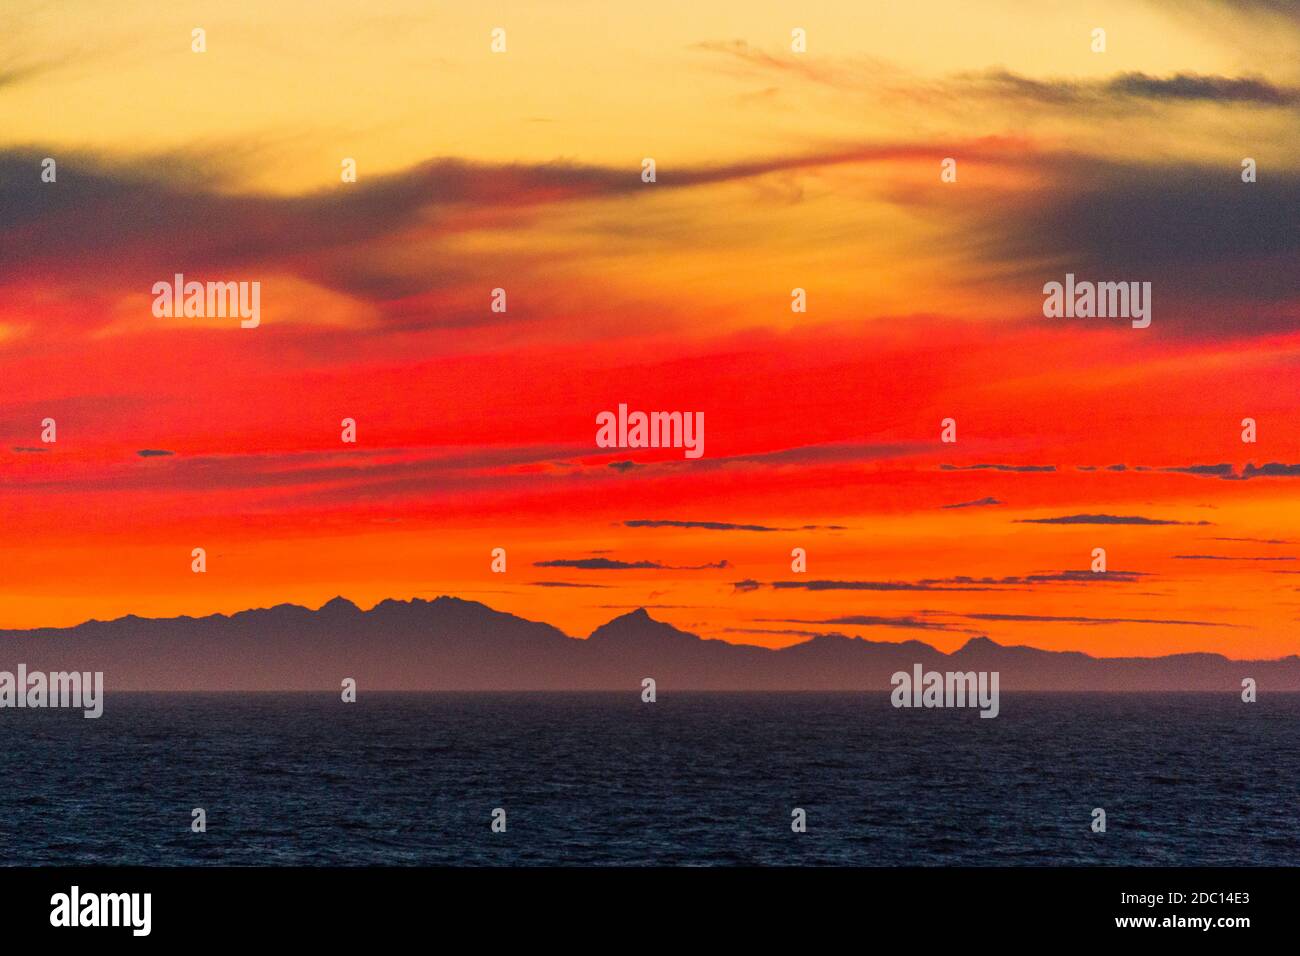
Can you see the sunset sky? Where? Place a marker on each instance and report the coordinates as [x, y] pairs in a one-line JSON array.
[[775, 170]]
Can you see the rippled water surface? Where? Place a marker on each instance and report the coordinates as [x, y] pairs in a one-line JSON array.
[[691, 779]]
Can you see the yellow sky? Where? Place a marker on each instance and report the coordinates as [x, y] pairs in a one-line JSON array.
[[286, 89]]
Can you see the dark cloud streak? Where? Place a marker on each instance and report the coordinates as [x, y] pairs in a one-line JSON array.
[[612, 564], [1106, 519]]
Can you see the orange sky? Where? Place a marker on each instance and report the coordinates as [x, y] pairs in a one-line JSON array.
[[775, 170]]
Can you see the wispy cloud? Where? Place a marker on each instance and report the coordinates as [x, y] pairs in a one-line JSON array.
[[1106, 519], [978, 503], [1011, 468], [564, 584], [1217, 471], [955, 583], [706, 525], [1227, 557], [1067, 619], [746, 59], [905, 622], [1126, 88], [1116, 92], [826, 585], [124, 222], [1222, 470], [612, 564], [1273, 469], [725, 526]]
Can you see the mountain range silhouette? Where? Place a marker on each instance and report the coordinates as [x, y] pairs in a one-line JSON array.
[[457, 645]]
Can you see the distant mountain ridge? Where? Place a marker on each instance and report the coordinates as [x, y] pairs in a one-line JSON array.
[[452, 644]]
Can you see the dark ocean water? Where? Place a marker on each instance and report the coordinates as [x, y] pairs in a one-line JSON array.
[[692, 779]]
